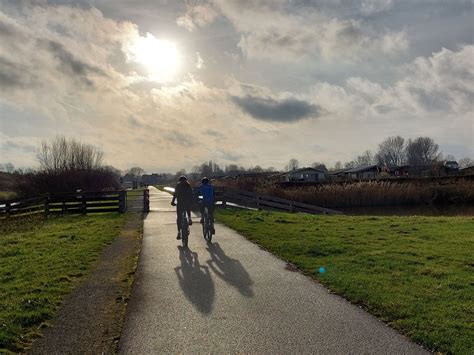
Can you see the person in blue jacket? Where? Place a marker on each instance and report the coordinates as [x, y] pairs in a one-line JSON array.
[[206, 190]]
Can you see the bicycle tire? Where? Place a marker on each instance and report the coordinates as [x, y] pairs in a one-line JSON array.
[[184, 229], [206, 226]]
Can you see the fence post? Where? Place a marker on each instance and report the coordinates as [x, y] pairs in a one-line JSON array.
[[46, 206], [83, 205], [258, 202], [122, 204], [64, 208], [8, 207], [146, 200]]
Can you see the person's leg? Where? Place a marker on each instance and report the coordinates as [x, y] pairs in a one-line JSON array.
[[178, 220], [211, 212], [189, 216], [201, 209], [210, 208]]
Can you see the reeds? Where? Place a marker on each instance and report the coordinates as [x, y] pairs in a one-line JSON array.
[[368, 193]]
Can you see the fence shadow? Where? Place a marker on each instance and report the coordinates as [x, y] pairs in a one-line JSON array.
[[230, 270], [195, 281]]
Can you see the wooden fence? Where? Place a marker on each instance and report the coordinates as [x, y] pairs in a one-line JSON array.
[[258, 201], [66, 203]]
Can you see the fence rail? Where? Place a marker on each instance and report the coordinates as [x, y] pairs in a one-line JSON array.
[[255, 200], [66, 203]]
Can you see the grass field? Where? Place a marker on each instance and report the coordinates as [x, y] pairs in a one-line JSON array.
[[6, 195], [415, 273], [40, 262]]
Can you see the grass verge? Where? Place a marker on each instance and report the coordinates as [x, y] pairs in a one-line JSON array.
[[41, 262], [415, 273]]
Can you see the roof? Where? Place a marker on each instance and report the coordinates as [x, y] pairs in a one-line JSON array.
[[340, 171], [362, 168], [303, 169]]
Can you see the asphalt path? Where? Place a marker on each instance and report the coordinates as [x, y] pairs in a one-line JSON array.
[[233, 297]]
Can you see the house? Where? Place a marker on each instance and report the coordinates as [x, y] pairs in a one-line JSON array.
[[304, 174], [469, 170], [366, 172], [338, 174], [396, 170], [131, 179]]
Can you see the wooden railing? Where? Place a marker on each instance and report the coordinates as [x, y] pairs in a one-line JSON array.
[[66, 203], [259, 201]]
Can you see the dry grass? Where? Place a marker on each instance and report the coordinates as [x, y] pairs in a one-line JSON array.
[[368, 193]]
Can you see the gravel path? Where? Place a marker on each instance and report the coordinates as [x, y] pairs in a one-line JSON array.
[[233, 297]]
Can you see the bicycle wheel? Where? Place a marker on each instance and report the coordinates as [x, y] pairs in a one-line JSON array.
[[206, 226], [184, 229]]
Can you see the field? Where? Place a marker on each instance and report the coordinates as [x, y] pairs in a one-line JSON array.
[[40, 262], [415, 273]]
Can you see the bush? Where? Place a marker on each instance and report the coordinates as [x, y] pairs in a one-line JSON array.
[[67, 181]]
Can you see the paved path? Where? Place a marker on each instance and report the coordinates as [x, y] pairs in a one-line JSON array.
[[233, 297]]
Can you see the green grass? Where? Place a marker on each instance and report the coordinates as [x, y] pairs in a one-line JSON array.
[[40, 262], [7, 195], [415, 273]]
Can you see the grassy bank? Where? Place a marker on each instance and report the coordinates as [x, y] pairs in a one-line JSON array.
[[416, 273], [40, 262]]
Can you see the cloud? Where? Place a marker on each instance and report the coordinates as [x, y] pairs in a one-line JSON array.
[[370, 7], [11, 75], [213, 133], [69, 64], [270, 109], [196, 16], [442, 83], [284, 31]]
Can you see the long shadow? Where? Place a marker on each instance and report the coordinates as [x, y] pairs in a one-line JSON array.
[[195, 281], [230, 270]]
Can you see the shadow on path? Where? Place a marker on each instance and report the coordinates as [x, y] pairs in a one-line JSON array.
[[195, 280], [230, 270]]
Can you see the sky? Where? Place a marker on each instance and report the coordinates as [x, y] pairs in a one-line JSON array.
[[168, 84]]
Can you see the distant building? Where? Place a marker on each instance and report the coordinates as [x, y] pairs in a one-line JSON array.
[[467, 170], [304, 174], [366, 172], [397, 170], [131, 180]]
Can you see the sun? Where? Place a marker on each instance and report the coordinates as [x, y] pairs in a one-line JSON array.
[[159, 56]]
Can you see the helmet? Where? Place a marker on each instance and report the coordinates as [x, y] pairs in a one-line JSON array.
[[183, 178], [204, 180]]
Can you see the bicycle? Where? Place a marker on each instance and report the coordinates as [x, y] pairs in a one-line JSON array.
[[184, 228], [206, 225]]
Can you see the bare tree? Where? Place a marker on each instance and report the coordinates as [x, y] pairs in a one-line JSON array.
[[63, 154], [338, 166], [466, 162], [319, 166], [422, 151], [7, 168], [136, 171], [391, 152], [366, 158], [293, 164]]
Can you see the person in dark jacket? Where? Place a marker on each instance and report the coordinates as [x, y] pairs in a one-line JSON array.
[[206, 192], [184, 194]]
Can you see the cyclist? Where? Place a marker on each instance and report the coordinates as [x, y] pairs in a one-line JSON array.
[[184, 194], [206, 190]]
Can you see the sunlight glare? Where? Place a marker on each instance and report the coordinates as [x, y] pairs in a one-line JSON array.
[[160, 57]]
